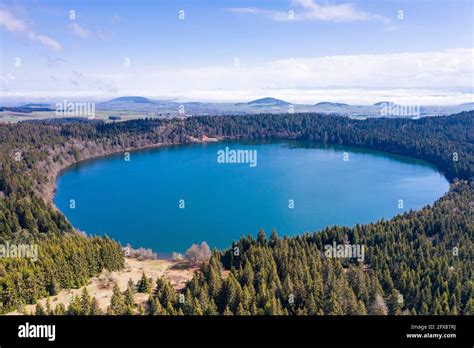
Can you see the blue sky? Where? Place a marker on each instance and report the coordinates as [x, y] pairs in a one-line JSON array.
[[357, 51]]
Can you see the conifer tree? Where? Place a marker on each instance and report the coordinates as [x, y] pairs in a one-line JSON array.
[[85, 302], [261, 238], [144, 285], [273, 237], [39, 310], [94, 307], [60, 309], [117, 303], [75, 307], [129, 296]]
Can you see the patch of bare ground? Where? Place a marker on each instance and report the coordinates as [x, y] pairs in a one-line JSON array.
[[101, 287]]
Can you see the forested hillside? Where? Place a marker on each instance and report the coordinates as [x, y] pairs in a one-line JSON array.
[[423, 256], [420, 262]]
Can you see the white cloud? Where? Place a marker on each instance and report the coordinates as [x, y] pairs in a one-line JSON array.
[[45, 41], [10, 22], [80, 31], [440, 77], [85, 33], [444, 69], [7, 78], [309, 10], [17, 26]]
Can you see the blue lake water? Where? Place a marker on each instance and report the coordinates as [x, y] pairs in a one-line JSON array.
[[138, 201]]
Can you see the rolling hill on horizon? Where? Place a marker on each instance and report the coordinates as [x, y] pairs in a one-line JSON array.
[[131, 99], [330, 104], [268, 101], [139, 107]]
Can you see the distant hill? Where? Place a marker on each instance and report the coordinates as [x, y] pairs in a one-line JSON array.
[[131, 99], [35, 105], [129, 103], [27, 108], [268, 102], [382, 103], [471, 104], [330, 104]]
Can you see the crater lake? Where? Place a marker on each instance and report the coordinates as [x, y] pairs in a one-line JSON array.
[[170, 197]]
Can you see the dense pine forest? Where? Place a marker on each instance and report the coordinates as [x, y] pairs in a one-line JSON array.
[[417, 263]]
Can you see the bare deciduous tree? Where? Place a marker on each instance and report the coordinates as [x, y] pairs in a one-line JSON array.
[[198, 253], [379, 307]]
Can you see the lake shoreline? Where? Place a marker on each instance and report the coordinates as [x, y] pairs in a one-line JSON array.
[[189, 171], [48, 190]]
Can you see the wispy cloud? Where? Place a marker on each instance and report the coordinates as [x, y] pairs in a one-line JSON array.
[[432, 77], [84, 33], [80, 31], [116, 18], [91, 82], [7, 78], [54, 62], [19, 27], [309, 10]]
